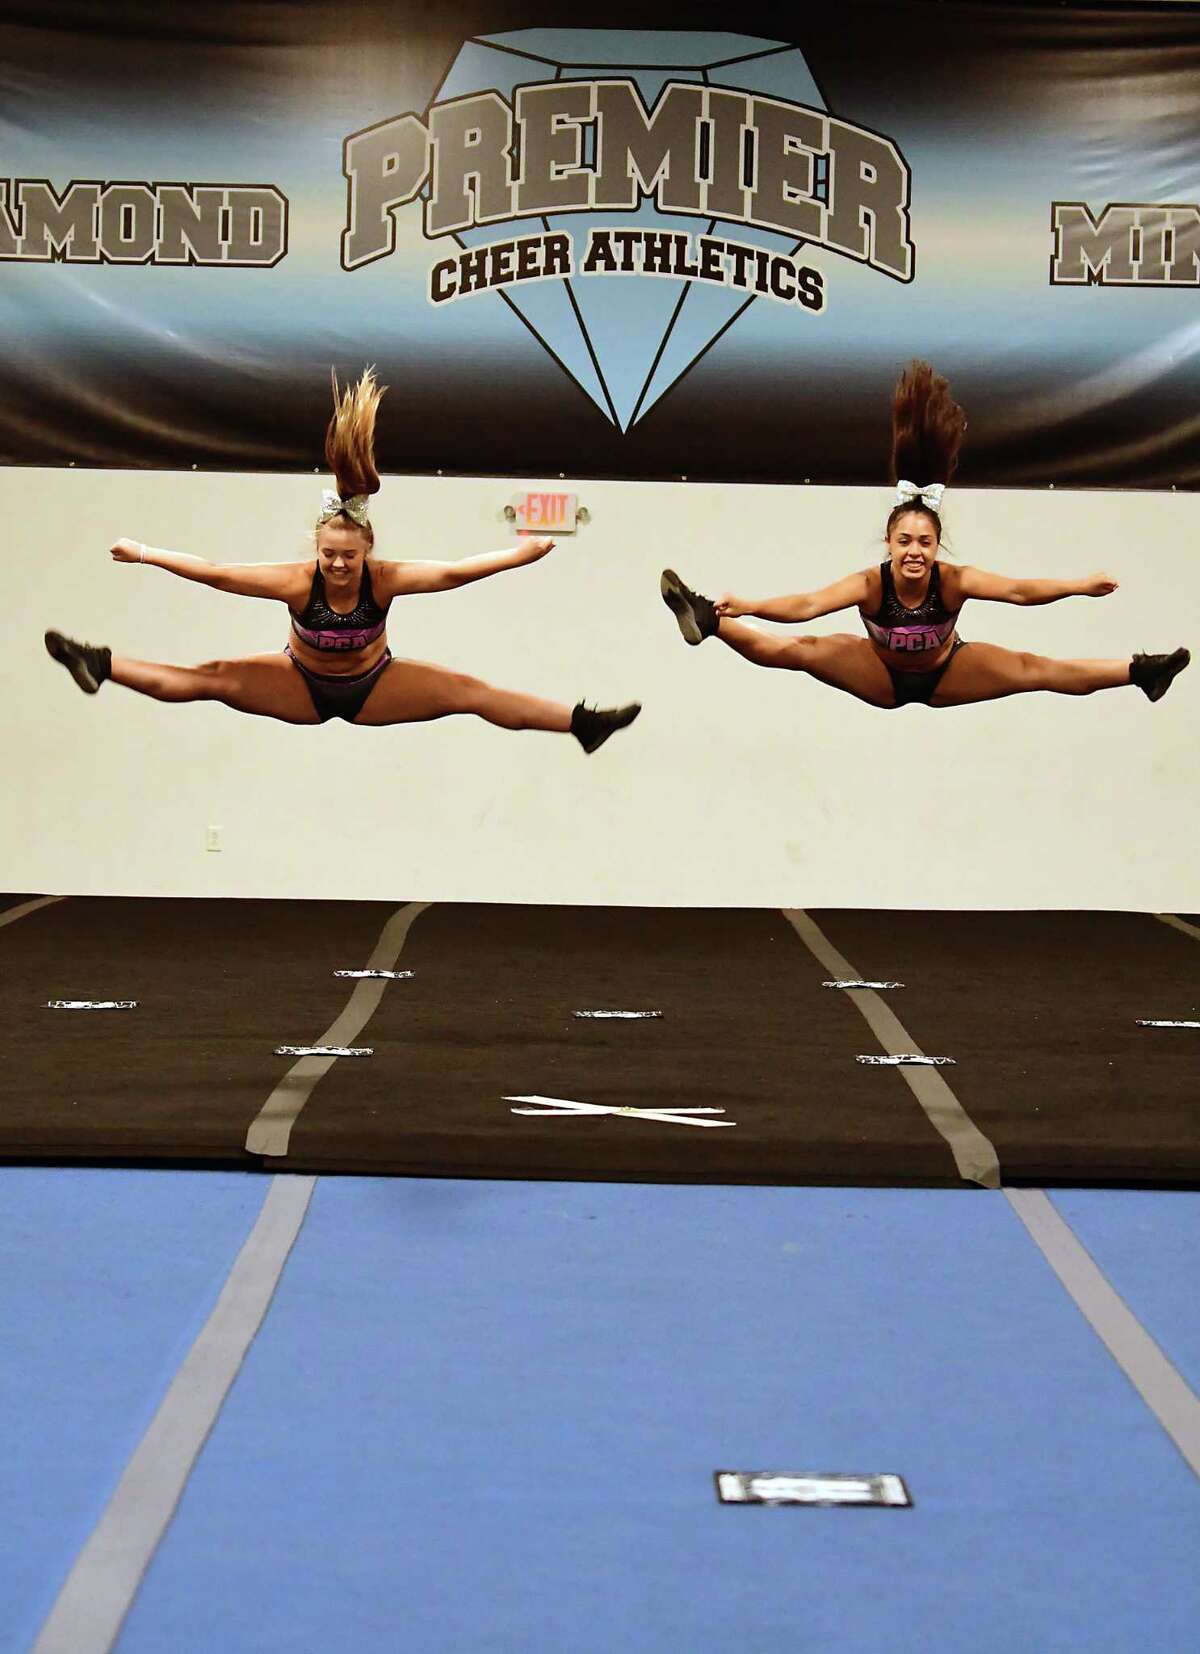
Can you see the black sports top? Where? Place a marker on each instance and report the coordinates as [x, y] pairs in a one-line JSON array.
[[323, 628], [922, 630]]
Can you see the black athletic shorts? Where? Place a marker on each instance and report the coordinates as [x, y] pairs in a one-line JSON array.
[[335, 697], [916, 688]]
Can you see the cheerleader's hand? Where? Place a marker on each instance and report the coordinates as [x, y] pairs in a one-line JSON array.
[[1099, 585]]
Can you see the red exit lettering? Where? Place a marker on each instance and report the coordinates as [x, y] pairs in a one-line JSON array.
[[546, 510]]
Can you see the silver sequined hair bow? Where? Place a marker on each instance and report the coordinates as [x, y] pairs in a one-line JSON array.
[[908, 493], [332, 504]]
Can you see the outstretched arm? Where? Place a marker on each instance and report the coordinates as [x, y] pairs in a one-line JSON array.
[[404, 579], [1000, 588], [278, 580], [848, 593]]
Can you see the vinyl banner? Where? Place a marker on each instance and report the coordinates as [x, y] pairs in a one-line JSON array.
[[647, 242]]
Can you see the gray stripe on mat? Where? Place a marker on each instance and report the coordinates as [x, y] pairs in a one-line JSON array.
[[12, 914], [1178, 924], [271, 1130], [101, 1587], [1159, 1383], [974, 1154]]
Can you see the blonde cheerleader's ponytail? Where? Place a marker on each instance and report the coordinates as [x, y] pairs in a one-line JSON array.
[[350, 451]]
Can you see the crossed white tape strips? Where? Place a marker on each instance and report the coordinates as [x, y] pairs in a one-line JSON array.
[[547, 1106]]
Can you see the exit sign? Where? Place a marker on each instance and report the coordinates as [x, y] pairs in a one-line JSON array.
[[545, 513]]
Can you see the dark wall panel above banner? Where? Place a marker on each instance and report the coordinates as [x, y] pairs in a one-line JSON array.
[[702, 245]]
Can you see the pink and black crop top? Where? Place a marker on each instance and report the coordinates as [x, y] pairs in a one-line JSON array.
[[918, 631], [323, 628]]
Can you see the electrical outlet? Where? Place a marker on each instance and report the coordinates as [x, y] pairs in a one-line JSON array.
[[212, 839]]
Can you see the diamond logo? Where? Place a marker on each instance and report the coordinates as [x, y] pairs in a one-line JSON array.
[[626, 339]]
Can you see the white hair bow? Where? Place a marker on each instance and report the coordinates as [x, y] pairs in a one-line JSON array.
[[332, 504], [908, 493]]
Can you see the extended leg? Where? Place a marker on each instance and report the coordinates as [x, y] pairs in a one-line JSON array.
[[840, 660], [985, 672], [414, 691], [410, 692], [268, 685]]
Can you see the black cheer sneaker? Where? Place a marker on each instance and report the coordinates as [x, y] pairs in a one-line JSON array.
[[591, 726], [1154, 674], [697, 616], [87, 663]]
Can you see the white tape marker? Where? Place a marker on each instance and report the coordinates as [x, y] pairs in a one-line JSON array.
[[772, 1487], [91, 1005], [906, 1062], [324, 1051], [862, 984], [376, 976], [1144, 1022], [549, 1106], [626, 1015]]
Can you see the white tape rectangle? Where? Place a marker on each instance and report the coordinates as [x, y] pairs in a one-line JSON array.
[[773, 1487], [376, 976], [91, 1005], [627, 1016], [854, 984], [906, 1062], [1145, 1022], [324, 1051]]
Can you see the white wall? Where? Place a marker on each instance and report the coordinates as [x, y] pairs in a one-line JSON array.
[[737, 786]]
